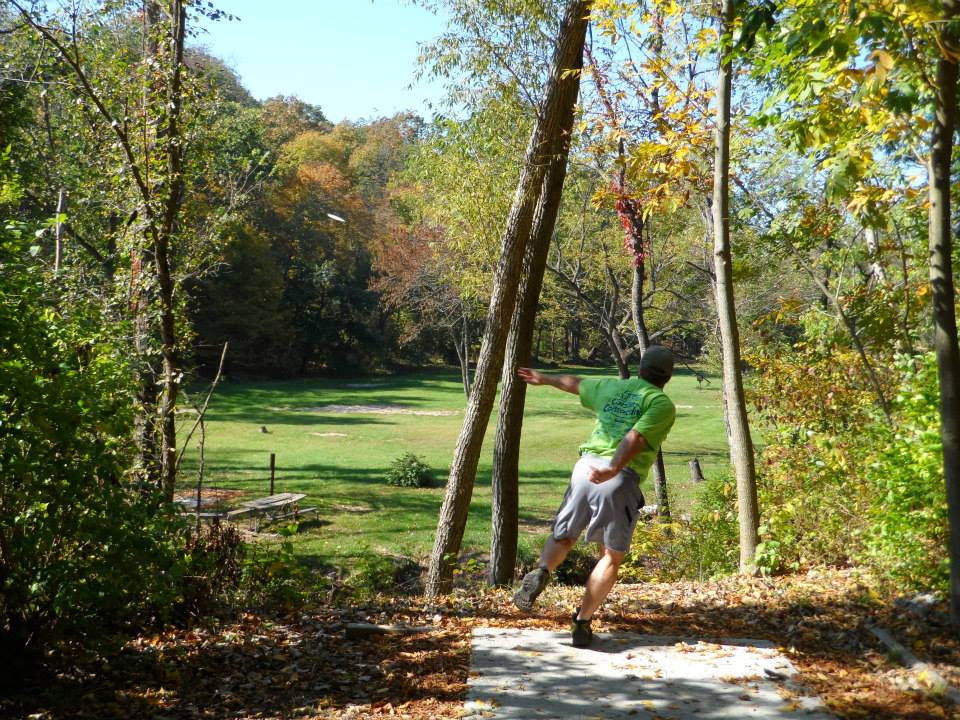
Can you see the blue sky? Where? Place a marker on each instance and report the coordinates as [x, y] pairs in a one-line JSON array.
[[353, 58]]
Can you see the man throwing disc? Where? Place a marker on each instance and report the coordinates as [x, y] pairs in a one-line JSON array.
[[604, 498]]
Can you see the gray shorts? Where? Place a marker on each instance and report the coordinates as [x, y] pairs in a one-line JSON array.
[[607, 511]]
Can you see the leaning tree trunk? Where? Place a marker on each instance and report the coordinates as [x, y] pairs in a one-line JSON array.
[[943, 291], [505, 480], [741, 446], [453, 513]]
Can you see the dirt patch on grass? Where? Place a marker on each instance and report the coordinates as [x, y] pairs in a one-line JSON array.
[[535, 527], [377, 410], [352, 508]]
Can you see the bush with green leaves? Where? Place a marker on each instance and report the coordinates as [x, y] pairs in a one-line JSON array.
[[275, 578], [577, 566], [79, 547], [374, 573], [906, 537], [700, 548], [409, 471], [840, 482], [817, 417]]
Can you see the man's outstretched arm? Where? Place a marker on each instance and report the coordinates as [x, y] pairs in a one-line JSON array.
[[567, 383]]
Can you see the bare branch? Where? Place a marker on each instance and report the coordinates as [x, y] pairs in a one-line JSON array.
[[202, 411]]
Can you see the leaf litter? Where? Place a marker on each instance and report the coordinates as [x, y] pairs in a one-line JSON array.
[[302, 665]]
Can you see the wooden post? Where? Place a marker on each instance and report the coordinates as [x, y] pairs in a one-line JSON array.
[[696, 475], [273, 469]]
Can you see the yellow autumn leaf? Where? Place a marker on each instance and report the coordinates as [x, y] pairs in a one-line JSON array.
[[882, 58]]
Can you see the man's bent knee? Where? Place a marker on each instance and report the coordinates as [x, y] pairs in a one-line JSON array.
[[614, 557]]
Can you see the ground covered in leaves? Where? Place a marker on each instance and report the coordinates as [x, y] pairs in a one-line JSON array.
[[303, 665]]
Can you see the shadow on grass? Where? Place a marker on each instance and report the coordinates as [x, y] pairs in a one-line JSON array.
[[256, 418], [697, 453], [258, 402], [305, 526]]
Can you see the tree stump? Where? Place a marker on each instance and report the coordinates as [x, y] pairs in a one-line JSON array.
[[696, 475]]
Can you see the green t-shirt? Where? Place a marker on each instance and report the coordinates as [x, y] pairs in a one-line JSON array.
[[624, 405]]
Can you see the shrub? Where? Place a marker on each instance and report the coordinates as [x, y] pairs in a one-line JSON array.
[[652, 550], [373, 574], [906, 539], [80, 548], [701, 548], [818, 416], [409, 471], [575, 568], [213, 567], [275, 578], [840, 483]]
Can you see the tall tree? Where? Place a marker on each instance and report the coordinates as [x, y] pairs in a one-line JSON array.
[[505, 479], [741, 445], [153, 150], [453, 513], [889, 70], [941, 280]]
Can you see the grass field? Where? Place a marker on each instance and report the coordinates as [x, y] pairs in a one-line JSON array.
[[339, 459]]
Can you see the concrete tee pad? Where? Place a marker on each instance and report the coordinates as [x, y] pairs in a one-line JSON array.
[[528, 674]]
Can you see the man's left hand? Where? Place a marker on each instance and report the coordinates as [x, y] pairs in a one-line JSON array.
[[598, 475]]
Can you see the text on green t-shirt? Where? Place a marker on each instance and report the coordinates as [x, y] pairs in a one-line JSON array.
[[624, 405]]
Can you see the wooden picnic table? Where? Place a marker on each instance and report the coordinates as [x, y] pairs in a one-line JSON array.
[[272, 507], [274, 502]]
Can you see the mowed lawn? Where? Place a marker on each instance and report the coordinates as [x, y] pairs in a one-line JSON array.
[[340, 459]]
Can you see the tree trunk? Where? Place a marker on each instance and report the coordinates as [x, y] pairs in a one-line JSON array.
[[577, 339], [159, 194], [877, 273], [142, 259], [505, 480], [461, 343], [741, 445], [163, 250], [943, 291], [617, 350], [453, 513]]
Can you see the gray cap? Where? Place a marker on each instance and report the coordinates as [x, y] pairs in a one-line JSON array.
[[657, 361]]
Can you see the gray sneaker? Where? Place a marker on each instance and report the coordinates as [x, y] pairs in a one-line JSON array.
[[531, 586]]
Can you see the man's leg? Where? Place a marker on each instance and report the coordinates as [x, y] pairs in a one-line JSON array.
[[553, 553], [600, 582]]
